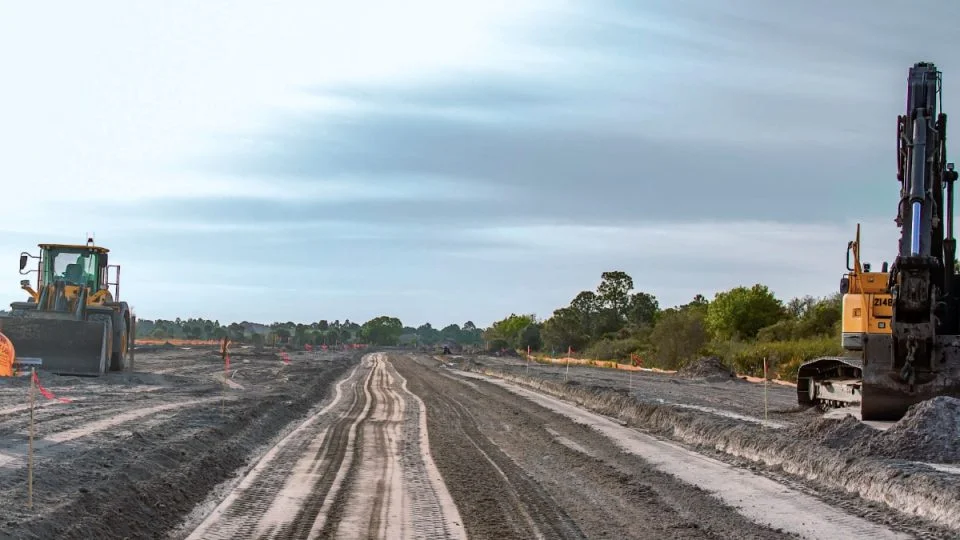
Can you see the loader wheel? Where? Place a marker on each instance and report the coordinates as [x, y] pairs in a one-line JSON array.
[[107, 350], [119, 358]]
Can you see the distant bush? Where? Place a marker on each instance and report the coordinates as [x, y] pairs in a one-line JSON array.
[[615, 349], [783, 357]]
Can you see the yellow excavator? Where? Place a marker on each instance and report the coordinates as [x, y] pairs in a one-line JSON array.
[[901, 329], [867, 309], [72, 323]]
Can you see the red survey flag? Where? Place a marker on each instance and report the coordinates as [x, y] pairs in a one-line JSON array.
[[46, 393]]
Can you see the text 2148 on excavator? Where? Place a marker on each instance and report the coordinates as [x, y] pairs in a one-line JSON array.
[[901, 329], [72, 322]]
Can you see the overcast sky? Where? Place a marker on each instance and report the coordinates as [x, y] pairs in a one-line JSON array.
[[445, 161]]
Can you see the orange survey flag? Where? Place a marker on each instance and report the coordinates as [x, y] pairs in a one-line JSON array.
[[7, 355]]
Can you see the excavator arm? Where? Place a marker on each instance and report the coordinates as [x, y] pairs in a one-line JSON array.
[[920, 357]]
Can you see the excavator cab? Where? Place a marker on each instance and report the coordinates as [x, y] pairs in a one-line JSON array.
[[835, 381]]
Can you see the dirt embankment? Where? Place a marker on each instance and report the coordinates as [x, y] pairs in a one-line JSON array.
[[133, 453], [910, 488], [721, 394], [930, 432]]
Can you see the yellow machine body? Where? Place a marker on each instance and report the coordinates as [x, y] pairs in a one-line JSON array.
[[71, 322]]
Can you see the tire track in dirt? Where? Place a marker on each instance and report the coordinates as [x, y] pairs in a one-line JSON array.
[[601, 491], [358, 468], [266, 492], [497, 497], [398, 493]]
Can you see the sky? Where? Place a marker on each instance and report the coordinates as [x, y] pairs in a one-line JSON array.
[[444, 162]]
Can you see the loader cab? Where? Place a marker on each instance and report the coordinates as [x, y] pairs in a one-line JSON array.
[[74, 265]]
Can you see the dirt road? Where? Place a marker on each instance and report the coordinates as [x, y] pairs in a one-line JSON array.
[[398, 445], [407, 448], [359, 467]]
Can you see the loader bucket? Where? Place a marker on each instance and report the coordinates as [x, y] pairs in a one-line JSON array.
[[64, 346]]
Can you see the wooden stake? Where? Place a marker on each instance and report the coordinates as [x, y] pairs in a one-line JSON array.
[[765, 391], [223, 389], [33, 374]]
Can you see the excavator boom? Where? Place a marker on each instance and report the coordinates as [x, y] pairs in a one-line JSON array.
[[903, 342], [920, 358]]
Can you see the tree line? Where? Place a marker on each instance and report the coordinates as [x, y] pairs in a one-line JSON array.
[[383, 330], [743, 326]]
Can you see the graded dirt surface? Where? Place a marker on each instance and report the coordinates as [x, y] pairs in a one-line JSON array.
[[396, 444], [698, 388], [358, 468], [132, 453], [519, 470], [877, 475]]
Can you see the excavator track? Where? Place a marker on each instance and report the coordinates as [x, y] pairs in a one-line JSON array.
[[830, 382]]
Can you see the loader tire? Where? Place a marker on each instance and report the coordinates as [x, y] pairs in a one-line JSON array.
[[107, 321], [120, 359]]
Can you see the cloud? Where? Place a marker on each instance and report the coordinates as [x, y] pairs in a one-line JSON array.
[[461, 161]]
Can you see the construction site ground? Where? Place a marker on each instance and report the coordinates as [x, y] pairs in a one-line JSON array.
[[395, 444]]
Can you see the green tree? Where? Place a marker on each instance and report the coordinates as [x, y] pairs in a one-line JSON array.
[[257, 339], [427, 334], [643, 308], [564, 330], [679, 336], [382, 330], [614, 290], [300, 335], [508, 332], [451, 332], [798, 307], [586, 303], [741, 312], [530, 337]]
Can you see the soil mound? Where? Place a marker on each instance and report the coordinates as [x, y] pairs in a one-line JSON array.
[[930, 431], [708, 367], [840, 433]]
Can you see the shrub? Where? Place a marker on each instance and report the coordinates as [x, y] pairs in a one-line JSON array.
[[783, 357], [615, 349]]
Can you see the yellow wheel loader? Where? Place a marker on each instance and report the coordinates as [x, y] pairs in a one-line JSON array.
[[72, 324]]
